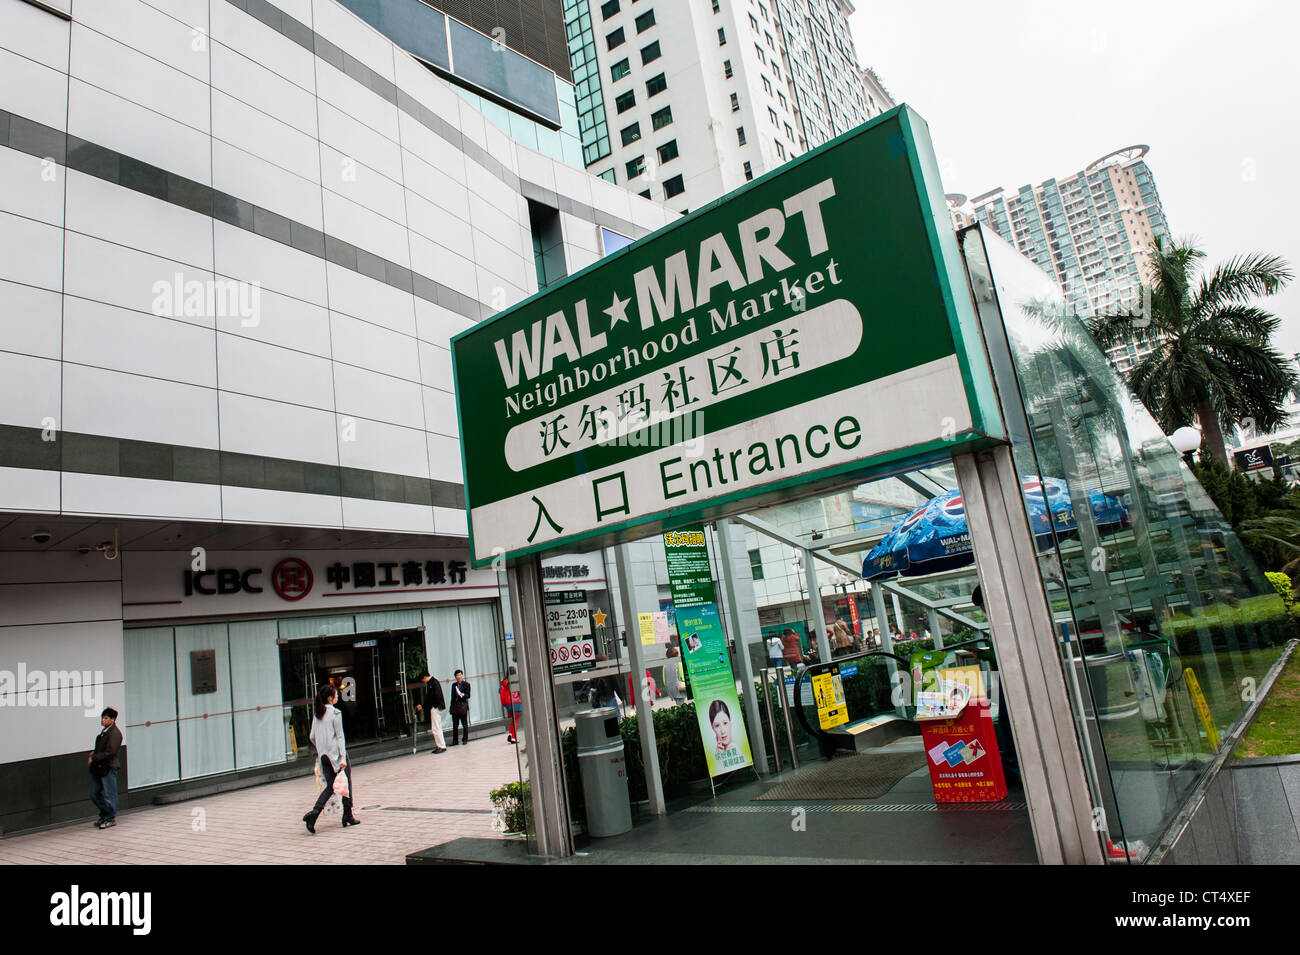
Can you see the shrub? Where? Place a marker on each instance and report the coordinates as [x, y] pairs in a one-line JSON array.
[[1282, 584], [511, 803]]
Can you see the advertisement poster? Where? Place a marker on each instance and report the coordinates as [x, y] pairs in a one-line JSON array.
[[704, 653], [958, 735], [828, 689]]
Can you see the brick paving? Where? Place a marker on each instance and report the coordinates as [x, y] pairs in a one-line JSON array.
[[263, 824]]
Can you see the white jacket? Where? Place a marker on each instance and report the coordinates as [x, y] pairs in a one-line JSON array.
[[327, 736]]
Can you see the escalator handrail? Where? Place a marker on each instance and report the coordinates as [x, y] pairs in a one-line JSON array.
[[821, 667], [818, 667]]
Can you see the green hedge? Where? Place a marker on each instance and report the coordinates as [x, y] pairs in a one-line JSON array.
[[1259, 621]]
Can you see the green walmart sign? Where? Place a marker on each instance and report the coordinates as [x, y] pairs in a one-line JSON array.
[[806, 330]]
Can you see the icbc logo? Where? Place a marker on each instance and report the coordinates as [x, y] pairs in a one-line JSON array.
[[291, 579]]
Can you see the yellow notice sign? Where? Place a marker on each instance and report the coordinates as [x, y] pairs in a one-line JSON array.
[[829, 693], [646, 624], [1202, 709]]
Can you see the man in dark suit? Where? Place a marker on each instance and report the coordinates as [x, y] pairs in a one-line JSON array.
[[459, 707], [433, 705]]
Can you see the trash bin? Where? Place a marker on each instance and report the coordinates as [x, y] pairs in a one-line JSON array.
[[604, 772]]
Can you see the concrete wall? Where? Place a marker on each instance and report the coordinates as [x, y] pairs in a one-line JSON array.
[[290, 150]]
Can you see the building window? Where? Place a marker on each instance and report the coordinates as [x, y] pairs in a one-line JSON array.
[[780, 150], [635, 167], [727, 72], [789, 133], [740, 135], [722, 37], [781, 99], [656, 85], [625, 101], [662, 118], [631, 134], [769, 41], [608, 175], [767, 86], [674, 187], [645, 21], [755, 557], [650, 53], [716, 7], [771, 114], [753, 24], [749, 172], [620, 69], [614, 39], [735, 103], [668, 151], [607, 10], [644, 193]]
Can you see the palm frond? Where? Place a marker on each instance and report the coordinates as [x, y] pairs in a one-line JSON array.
[[1240, 279]]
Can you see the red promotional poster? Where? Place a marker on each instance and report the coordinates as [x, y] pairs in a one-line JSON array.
[[963, 757]]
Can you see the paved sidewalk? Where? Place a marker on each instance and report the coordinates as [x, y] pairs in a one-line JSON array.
[[405, 803]]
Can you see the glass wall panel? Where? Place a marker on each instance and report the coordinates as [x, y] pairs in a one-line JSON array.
[[150, 664], [388, 620], [506, 73], [297, 627], [260, 721], [482, 661], [206, 728], [442, 644], [1155, 600]]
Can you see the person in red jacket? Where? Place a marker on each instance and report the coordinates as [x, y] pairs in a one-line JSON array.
[[790, 640], [510, 701]]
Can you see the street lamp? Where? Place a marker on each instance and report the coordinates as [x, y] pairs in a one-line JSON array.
[[1186, 439]]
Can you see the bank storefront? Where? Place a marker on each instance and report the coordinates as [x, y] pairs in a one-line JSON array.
[[223, 651]]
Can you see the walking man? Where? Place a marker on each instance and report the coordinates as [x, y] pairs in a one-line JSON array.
[[433, 705], [103, 767], [459, 707]]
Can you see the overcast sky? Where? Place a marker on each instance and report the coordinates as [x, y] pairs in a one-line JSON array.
[[1016, 92]]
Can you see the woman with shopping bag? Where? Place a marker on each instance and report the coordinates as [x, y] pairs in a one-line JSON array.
[[327, 737]]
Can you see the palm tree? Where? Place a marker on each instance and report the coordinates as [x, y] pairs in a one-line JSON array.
[[1213, 359]]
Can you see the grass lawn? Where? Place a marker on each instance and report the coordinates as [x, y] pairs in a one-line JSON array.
[[1276, 731]]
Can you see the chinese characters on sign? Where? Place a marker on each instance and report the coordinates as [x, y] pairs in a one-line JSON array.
[[368, 574], [771, 322]]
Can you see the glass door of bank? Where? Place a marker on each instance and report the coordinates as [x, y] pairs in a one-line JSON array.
[[369, 671]]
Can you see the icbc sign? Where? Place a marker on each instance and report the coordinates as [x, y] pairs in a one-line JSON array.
[[291, 579]]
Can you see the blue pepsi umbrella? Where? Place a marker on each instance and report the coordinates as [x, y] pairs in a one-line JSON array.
[[935, 537]]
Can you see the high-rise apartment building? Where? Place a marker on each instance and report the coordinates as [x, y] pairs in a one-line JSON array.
[[683, 102], [1091, 230]]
